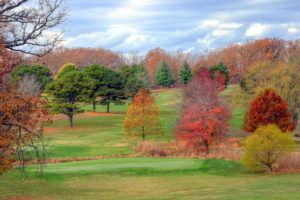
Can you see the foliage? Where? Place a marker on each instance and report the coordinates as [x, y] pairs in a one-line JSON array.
[[98, 75], [142, 117], [200, 126], [66, 68], [164, 76], [218, 71], [266, 147], [203, 91], [136, 77], [185, 74], [268, 108], [22, 119], [112, 88], [283, 78], [204, 118], [67, 91], [41, 73]]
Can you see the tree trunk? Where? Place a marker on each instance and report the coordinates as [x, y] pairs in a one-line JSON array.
[[71, 120], [94, 106], [143, 133], [295, 118], [107, 107]]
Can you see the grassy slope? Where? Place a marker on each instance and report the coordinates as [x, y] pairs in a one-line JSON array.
[[140, 178], [97, 135], [150, 178]]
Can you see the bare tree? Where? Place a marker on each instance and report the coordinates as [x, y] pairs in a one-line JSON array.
[[29, 86], [26, 25]]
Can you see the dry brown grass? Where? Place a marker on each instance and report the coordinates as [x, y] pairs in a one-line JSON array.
[[228, 149]]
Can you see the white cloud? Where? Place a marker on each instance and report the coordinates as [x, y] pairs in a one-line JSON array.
[[221, 32], [293, 30], [256, 29]]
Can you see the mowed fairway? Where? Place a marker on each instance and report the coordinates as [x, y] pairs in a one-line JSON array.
[[100, 134]]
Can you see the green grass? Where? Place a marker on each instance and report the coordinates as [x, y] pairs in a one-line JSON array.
[[149, 178], [140, 178], [103, 135]]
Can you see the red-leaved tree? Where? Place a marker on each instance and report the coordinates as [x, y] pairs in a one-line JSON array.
[[205, 118], [199, 127], [268, 108]]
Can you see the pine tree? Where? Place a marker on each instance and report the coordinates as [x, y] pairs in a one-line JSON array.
[[142, 116], [164, 76], [185, 74]]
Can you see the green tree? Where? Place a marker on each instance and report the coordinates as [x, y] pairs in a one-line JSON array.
[[265, 147], [136, 77], [223, 70], [41, 73], [164, 76], [185, 74], [98, 75], [112, 88], [68, 91], [66, 68]]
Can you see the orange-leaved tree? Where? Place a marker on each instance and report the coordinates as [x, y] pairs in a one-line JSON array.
[[142, 117], [268, 108]]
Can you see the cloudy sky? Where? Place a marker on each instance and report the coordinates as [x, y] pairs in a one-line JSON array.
[[189, 25]]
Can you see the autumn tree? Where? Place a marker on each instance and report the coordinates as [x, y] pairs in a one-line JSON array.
[[164, 76], [200, 126], [265, 147], [204, 118], [68, 91], [142, 117], [81, 57], [268, 108], [185, 74], [283, 78]]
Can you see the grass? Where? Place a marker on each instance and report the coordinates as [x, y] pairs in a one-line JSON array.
[[139, 178], [149, 178], [103, 135]]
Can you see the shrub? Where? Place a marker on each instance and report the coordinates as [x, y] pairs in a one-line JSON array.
[[266, 147]]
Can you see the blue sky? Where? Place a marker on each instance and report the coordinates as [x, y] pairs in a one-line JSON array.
[[189, 25]]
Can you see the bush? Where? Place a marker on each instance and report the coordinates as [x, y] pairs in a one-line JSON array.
[[266, 147]]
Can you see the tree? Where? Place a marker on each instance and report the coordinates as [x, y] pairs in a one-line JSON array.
[[66, 68], [220, 70], [200, 126], [98, 75], [266, 147], [283, 78], [204, 118], [25, 25], [268, 108], [202, 91], [185, 74], [142, 117], [42, 74], [22, 119], [164, 76], [68, 91], [112, 89], [136, 77]]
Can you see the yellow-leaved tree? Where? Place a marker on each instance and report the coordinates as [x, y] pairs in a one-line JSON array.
[[142, 117]]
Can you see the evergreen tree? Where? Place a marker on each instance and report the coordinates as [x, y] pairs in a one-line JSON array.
[[68, 91], [223, 71], [185, 74], [164, 76]]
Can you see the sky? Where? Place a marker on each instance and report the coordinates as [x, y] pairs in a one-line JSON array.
[[188, 25]]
